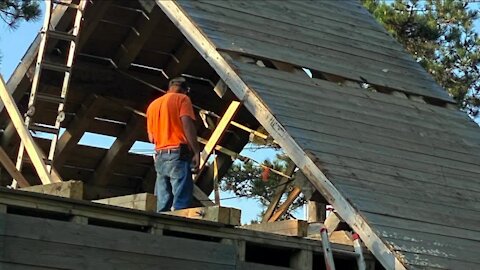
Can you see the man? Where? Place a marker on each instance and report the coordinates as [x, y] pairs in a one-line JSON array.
[[170, 126]]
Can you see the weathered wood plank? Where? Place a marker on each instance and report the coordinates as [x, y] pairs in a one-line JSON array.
[[293, 227], [141, 201], [69, 189], [94, 238], [225, 215]]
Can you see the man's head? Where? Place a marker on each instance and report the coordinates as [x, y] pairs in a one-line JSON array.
[[178, 85]]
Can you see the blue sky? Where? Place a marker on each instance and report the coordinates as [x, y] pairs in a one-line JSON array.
[[13, 45]]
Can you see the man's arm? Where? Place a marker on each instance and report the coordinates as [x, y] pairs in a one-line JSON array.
[[191, 134]]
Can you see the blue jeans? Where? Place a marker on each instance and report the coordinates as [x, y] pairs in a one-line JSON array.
[[174, 185]]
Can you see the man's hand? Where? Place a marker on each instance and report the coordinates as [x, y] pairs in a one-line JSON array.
[[195, 162]]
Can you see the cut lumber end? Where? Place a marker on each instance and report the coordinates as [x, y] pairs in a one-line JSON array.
[[291, 227], [69, 189], [141, 201], [225, 215]]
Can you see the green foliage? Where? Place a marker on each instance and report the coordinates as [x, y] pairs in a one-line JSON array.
[[440, 36], [13, 11], [245, 180]]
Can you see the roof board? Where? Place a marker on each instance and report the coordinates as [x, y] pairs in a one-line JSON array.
[[409, 170]]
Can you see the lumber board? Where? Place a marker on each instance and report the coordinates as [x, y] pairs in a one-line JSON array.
[[224, 215], [323, 50], [341, 237], [292, 227], [348, 92], [69, 189], [276, 54], [310, 95], [141, 201], [258, 266]]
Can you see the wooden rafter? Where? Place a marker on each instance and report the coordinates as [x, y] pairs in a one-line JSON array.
[[118, 150], [218, 133], [76, 129], [279, 192], [12, 170], [30, 146], [179, 64], [133, 44], [282, 209]]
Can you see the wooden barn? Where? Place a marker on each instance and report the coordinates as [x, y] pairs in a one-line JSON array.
[[367, 129]]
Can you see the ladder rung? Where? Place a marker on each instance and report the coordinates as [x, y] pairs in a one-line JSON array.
[[45, 129], [56, 67], [61, 35], [50, 98], [63, 3]]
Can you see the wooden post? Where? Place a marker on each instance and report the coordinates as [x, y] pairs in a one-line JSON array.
[[30, 146], [302, 260], [316, 212], [218, 133], [279, 192]]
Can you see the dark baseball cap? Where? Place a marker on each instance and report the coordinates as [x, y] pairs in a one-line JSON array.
[[181, 81]]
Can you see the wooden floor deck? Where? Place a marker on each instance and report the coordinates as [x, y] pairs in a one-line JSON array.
[[46, 232]]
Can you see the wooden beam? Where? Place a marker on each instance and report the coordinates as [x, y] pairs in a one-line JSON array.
[[134, 43], [316, 212], [201, 196], [282, 209], [218, 133], [25, 136], [141, 201], [332, 222], [183, 57], [225, 215], [118, 150], [279, 192], [68, 189], [76, 129], [292, 227], [11, 169]]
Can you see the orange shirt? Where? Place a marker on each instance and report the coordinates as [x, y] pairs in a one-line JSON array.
[[163, 120]]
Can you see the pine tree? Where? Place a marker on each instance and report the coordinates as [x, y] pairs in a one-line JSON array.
[[440, 35], [14, 11]]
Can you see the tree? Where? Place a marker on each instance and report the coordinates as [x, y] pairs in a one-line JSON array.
[[440, 35], [14, 11], [250, 180]]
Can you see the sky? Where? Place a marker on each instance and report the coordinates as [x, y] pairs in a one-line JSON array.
[[14, 44]]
